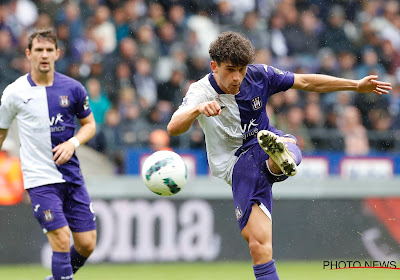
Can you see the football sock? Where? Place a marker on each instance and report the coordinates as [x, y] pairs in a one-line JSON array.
[[266, 271], [77, 260], [61, 266], [295, 151]]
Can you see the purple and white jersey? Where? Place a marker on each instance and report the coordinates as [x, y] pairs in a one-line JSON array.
[[45, 117], [232, 132]]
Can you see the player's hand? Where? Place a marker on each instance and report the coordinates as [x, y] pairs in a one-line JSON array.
[[63, 152], [371, 84], [210, 109]]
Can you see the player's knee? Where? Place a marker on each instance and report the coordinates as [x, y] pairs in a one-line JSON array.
[[260, 250], [59, 240], [86, 246]]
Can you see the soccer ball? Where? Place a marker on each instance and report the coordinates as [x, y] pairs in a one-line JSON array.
[[164, 173]]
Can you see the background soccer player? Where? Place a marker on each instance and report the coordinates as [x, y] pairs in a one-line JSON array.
[[229, 104], [45, 103]]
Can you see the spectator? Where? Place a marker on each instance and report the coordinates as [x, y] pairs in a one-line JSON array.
[[171, 92], [177, 17], [354, 133], [159, 140], [104, 31], [252, 29], [145, 84], [370, 64], [334, 35], [347, 61], [113, 138], [120, 19], [224, 15], [148, 45], [302, 37], [167, 35], [71, 17], [381, 140], [292, 121], [98, 101], [278, 44]]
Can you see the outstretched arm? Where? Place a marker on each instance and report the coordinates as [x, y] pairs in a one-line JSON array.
[[181, 123], [325, 83]]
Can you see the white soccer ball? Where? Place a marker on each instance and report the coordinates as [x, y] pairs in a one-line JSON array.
[[164, 173]]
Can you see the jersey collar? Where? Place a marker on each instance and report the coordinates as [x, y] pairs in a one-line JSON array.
[[214, 84], [31, 82]]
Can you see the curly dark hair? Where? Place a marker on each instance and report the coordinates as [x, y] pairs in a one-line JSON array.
[[232, 47], [45, 34]]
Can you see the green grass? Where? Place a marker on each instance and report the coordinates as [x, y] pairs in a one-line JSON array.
[[196, 271]]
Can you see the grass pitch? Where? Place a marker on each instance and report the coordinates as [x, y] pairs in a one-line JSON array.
[[200, 271]]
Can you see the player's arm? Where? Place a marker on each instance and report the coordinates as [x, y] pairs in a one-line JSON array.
[[3, 135], [181, 122], [64, 151], [325, 83]]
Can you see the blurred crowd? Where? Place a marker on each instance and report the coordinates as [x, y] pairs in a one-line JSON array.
[[137, 58]]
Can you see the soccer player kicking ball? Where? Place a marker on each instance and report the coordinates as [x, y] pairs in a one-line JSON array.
[[45, 103], [243, 148]]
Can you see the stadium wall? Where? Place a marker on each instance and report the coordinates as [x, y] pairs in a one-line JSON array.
[[331, 218]]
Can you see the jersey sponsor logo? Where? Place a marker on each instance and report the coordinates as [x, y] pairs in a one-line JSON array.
[[247, 130], [64, 101], [256, 102], [86, 103], [56, 120], [55, 123], [48, 215]]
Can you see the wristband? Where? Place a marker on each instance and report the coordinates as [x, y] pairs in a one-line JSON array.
[[74, 141]]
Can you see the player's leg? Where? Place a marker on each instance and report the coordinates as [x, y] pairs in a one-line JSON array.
[[82, 222], [284, 154], [84, 244], [47, 206], [59, 240], [252, 197], [258, 234]]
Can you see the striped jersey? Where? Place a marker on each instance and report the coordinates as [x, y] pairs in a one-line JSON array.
[[45, 118], [242, 116]]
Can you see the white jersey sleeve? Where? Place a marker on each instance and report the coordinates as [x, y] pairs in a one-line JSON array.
[[195, 95], [8, 110]]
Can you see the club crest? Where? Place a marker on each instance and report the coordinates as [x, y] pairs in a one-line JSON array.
[[48, 215], [64, 101], [256, 102]]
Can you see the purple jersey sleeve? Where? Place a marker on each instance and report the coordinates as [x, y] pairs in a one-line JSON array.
[[278, 80], [82, 108]]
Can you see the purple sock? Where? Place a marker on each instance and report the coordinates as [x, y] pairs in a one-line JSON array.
[[295, 151], [77, 260], [61, 266], [266, 271]]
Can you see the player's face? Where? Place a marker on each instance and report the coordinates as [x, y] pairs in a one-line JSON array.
[[228, 76], [42, 55]]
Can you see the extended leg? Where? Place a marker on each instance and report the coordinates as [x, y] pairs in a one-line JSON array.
[[284, 154], [258, 233]]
